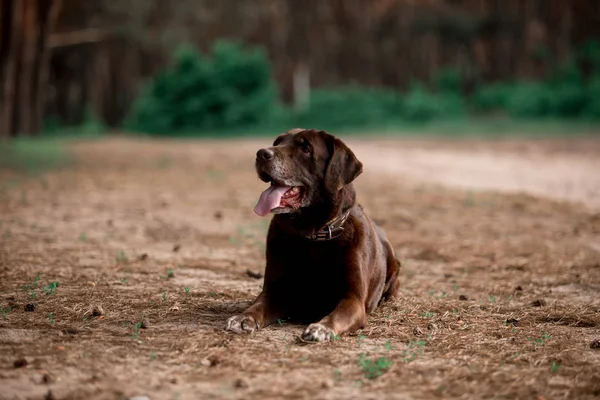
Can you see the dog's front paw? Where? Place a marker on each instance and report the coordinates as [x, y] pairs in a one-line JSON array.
[[241, 324], [317, 333]]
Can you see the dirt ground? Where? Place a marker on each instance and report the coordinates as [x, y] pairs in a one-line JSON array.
[[118, 273]]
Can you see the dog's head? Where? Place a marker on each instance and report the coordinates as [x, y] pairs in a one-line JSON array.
[[302, 166]]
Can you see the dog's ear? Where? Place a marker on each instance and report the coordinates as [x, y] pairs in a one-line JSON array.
[[343, 165]]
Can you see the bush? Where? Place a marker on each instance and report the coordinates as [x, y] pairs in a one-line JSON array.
[[360, 107], [421, 105], [232, 88], [228, 89], [349, 106], [449, 80], [492, 97]]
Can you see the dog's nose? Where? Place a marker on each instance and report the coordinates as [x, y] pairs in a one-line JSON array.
[[265, 154]]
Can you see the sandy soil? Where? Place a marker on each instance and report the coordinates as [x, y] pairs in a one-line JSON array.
[[500, 294]]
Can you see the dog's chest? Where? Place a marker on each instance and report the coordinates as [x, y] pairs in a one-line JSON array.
[[318, 267]]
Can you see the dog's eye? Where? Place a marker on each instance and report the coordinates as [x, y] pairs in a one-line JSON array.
[[304, 146]]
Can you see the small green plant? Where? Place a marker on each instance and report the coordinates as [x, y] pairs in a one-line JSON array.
[[187, 292], [374, 368], [121, 257], [541, 341], [83, 237], [360, 339], [51, 318], [212, 294], [152, 356], [337, 376], [123, 281], [388, 345], [136, 330], [170, 273], [280, 322], [428, 314], [50, 288], [4, 312], [469, 201], [164, 296], [492, 299], [34, 284], [555, 367], [414, 349]]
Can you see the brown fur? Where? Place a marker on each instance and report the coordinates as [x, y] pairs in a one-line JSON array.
[[331, 285]]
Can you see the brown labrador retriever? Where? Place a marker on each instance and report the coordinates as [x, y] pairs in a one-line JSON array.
[[328, 264]]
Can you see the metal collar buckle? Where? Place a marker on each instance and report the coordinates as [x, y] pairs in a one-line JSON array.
[[332, 230]]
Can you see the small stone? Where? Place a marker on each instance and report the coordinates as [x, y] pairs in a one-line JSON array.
[[431, 326], [145, 323], [538, 303], [30, 307], [210, 361], [327, 384], [205, 362], [252, 274], [48, 379], [70, 331], [175, 308], [595, 344], [97, 310], [463, 297], [241, 383], [20, 362], [418, 331]]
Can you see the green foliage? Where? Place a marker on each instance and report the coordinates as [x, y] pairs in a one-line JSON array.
[[374, 368], [349, 106], [421, 105], [32, 155], [362, 107], [566, 93], [232, 89], [229, 88]]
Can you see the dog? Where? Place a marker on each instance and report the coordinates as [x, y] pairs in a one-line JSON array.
[[328, 264]]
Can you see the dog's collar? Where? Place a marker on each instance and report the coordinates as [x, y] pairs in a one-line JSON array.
[[333, 229]]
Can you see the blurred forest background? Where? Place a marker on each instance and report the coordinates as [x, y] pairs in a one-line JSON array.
[[198, 66]]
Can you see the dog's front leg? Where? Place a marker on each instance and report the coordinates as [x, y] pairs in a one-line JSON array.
[[348, 316], [257, 316]]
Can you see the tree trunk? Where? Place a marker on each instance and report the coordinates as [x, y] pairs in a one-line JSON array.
[[10, 77], [47, 22], [27, 67]]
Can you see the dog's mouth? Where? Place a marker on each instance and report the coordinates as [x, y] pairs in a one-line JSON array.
[[279, 196]]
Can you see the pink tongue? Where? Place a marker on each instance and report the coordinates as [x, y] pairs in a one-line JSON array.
[[270, 199]]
